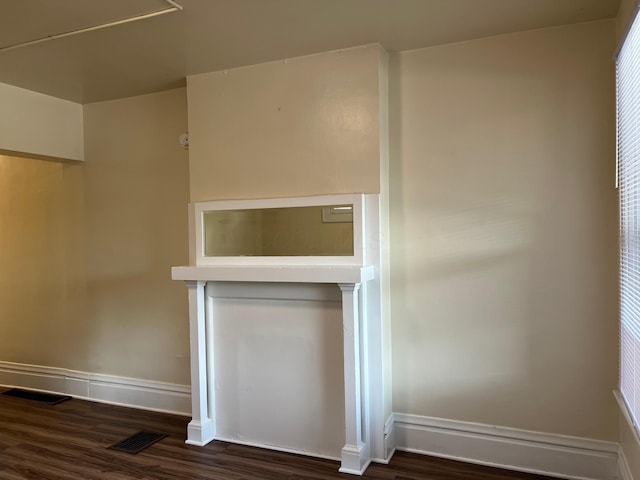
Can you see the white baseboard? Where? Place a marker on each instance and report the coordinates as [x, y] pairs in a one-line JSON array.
[[514, 449], [624, 472], [277, 448], [129, 392]]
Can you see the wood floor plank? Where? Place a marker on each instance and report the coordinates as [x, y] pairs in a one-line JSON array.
[[69, 441]]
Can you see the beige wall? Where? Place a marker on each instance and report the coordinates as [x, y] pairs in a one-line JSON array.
[[503, 214], [42, 274], [136, 181], [306, 126], [34, 124]]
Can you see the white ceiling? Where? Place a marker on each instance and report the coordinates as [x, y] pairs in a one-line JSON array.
[[208, 35]]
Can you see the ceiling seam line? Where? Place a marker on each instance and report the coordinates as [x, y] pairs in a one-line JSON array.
[[174, 8]]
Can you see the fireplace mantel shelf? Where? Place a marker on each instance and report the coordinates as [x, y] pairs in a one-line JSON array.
[[275, 273]]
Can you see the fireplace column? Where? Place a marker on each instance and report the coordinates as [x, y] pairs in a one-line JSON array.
[[355, 453], [201, 429]]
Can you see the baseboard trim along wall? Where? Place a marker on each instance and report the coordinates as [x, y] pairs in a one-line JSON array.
[[128, 392], [277, 448], [629, 440], [624, 472], [510, 448]]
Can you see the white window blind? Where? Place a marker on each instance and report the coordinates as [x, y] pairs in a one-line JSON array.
[[628, 179]]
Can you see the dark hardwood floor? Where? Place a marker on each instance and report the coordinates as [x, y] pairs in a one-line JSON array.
[[69, 440]]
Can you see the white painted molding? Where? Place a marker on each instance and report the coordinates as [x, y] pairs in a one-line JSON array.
[[124, 391], [277, 448], [274, 291], [356, 455], [514, 449], [277, 274], [358, 214], [201, 429], [389, 440], [624, 472]]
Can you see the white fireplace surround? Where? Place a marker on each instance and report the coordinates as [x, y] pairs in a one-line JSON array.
[[357, 277]]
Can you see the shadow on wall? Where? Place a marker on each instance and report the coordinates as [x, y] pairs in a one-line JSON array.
[[463, 297], [489, 303], [501, 312], [503, 231]]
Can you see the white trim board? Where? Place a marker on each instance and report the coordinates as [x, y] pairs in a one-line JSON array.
[[514, 449], [624, 472], [389, 440], [125, 391], [277, 448]]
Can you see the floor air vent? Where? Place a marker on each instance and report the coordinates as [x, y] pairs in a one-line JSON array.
[[138, 442], [48, 398]]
